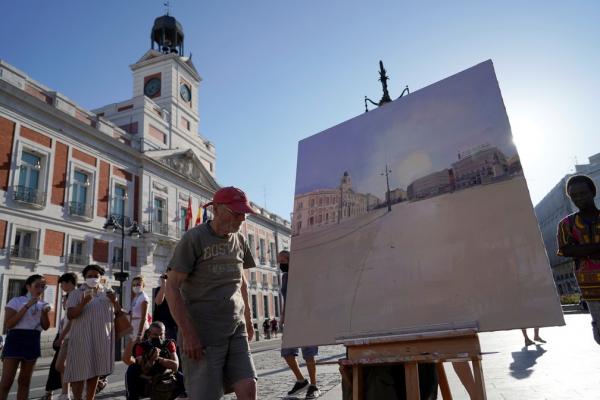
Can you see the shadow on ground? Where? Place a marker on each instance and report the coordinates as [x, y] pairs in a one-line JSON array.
[[524, 360]]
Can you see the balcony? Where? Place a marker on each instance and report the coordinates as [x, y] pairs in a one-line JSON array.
[[116, 265], [262, 260], [77, 259], [81, 210], [30, 196], [24, 253], [159, 228], [121, 219], [265, 285], [253, 284]]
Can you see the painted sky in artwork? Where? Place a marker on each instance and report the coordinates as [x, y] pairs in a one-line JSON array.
[[415, 135]]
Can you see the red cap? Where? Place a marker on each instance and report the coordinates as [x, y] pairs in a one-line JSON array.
[[233, 198]]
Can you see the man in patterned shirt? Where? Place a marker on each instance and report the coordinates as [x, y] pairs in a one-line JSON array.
[[579, 238]]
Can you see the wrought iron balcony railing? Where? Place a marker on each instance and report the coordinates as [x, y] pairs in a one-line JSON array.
[[77, 259], [24, 253], [27, 195], [78, 209], [160, 228]]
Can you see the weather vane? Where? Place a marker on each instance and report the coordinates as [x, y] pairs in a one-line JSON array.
[[167, 5], [383, 78]]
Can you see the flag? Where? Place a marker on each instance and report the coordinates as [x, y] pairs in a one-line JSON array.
[[188, 214], [205, 215], [199, 216]]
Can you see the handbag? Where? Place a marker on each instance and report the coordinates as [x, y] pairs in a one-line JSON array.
[[164, 386], [122, 325]]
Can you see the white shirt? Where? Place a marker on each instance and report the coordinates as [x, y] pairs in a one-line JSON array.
[[136, 309], [32, 317]]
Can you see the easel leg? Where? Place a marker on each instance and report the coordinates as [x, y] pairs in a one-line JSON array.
[[443, 381], [357, 382], [411, 375], [479, 383]]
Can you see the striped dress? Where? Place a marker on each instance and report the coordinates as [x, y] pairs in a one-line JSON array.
[[91, 339]]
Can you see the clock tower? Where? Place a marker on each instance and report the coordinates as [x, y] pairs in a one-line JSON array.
[[170, 80]]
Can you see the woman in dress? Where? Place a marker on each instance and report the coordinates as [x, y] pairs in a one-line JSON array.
[[139, 308], [25, 317], [91, 310]]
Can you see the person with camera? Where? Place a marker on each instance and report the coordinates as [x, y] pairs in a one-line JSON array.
[[25, 317], [155, 368], [91, 309], [161, 310]]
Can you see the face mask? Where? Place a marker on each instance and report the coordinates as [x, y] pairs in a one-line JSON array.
[[156, 342], [284, 267], [92, 282], [137, 289]]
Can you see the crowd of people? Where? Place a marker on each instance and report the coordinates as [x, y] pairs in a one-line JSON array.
[[202, 301]]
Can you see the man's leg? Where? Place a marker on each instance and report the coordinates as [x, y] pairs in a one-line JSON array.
[[133, 382], [594, 307], [309, 354], [204, 377], [239, 369]]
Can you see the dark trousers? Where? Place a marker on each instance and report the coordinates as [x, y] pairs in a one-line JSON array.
[[135, 384]]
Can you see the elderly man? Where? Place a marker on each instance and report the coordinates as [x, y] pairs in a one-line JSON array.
[[208, 296]]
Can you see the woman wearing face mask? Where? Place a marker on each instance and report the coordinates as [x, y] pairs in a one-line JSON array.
[[24, 318], [139, 308], [91, 310]]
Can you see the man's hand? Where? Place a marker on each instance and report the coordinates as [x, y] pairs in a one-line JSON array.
[[154, 353], [112, 297], [87, 297], [192, 347], [250, 331]]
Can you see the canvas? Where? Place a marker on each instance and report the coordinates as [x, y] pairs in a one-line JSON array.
[[416, 217]]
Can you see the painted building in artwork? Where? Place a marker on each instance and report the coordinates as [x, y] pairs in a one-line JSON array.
[[481, 165], [550, 211], [324, 207], [430, 185], [65, 170]]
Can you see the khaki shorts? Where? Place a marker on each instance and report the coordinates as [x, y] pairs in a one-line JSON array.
[[221, 367], [62, 353]]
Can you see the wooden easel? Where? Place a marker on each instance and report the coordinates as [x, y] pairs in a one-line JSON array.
[[434, 347]]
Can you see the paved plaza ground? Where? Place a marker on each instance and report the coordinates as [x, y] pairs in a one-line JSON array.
[[567, 367]]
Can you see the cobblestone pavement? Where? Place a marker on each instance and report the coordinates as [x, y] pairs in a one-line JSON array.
[[275, 378]]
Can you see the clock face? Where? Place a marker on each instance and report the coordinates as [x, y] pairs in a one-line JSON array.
[[185, 92], [152, 87]]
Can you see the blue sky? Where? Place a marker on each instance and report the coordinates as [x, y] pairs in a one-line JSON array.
[[277, 71]]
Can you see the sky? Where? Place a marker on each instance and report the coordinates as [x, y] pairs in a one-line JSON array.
[[277, 71], [414, 136]]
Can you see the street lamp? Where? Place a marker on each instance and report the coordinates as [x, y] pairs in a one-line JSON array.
[[113, 224], [387, 172]]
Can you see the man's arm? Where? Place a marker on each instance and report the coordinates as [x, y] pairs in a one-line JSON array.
[[581, 250], [192, 347], [247, 311], [160, 296]]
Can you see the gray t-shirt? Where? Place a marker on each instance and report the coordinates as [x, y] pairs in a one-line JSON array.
[[211, 291]]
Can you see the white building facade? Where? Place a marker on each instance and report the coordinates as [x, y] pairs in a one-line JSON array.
[[65, 170], [550, 211]]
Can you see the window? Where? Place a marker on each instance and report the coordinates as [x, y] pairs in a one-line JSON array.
[[262, 250], [182, 218], [266, 305], [253, 277], [25, 245], [77, 253], [119, 199], [14, 288], [159, 210], [79, 197], [27, 189], [254, 307], [118, 258], [276, 300], [273, 254], [251, 244]]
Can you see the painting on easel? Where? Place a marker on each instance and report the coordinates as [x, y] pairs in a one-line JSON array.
[[416, 217]]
